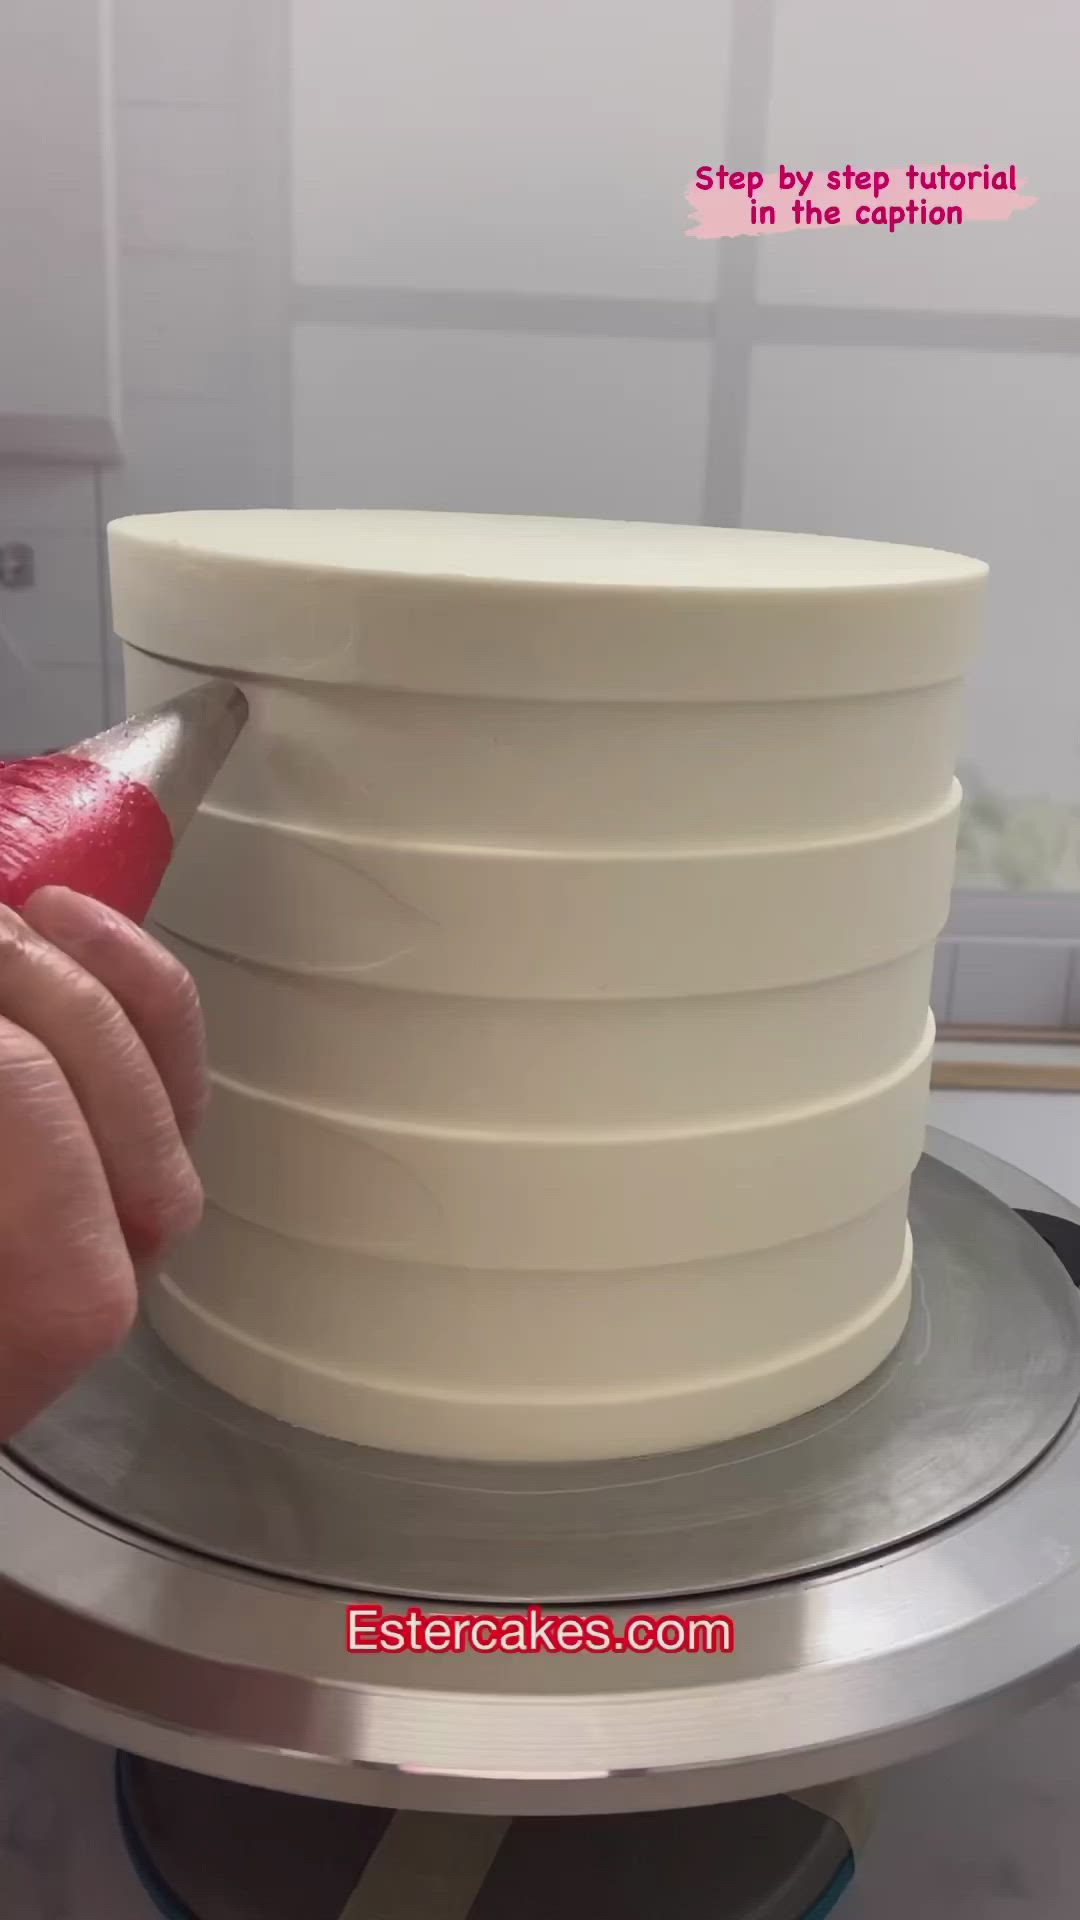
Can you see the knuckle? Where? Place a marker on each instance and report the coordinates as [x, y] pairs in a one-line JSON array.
[[171, 1210], [187, 1005], [31, 1079], [183, 986], [182, 1205], [198, 1101], [64, 1332], [173, 979], [17, 941], [22, 1050]]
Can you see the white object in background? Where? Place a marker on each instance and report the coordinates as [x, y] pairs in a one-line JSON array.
[[59, 383], [52, 673], [1038, 1132], [568, 1085]]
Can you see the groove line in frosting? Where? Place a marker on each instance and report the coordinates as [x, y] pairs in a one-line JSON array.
[[515, 926], [690, 1385], [506, 1135], [344, 846], [520, 773], [652, 1201], [270, 1245], [499, 767]]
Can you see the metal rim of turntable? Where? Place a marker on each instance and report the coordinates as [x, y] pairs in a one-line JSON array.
[[867, 1654], [983, 1380]]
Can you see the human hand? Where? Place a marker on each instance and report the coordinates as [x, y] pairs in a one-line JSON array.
[[102, 1082]]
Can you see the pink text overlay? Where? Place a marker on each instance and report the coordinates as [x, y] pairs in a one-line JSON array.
[[535, 1630], [726, 202]]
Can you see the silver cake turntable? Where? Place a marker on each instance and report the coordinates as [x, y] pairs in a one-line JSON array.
[[900, 1568]]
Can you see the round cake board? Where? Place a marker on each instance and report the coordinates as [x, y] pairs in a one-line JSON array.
[[983, 1380], [194, 1659]]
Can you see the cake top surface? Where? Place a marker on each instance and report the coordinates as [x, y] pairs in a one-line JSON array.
[[533, 550], [523, 607]]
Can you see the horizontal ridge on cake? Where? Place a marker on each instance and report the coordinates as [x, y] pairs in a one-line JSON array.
[[564, 923]]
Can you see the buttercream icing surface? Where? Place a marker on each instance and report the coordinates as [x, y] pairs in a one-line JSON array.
[[563, 921]]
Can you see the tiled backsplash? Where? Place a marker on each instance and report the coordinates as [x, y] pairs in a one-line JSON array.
[[1009, 959], [52, 656], [191, 173]]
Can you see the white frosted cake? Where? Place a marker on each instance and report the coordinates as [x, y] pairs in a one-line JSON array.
[[564, 922]]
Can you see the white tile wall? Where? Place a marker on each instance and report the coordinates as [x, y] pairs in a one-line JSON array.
[[1015, 916], [180, 178], [476, 145], [183, 453], [184, 325], [1005, 982], [46, 500], [838, 443], [46, 707], [1009, 959], [182, 51], [192, 127], [58, 337], [51, 687], [56, 621], [483, 148], [499, 422], [927, 85]]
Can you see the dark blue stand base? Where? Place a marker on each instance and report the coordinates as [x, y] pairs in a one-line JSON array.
[[210, 1850]]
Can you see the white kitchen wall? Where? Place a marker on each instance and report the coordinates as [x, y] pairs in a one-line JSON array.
[[435, 255], [915, 391], [947, 376], [494, 306], [198, 128], [52, 648], [974, 451], [58, 385], [201, 137], [490, 148], [495, 302], [964, 83], [541, 423]]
